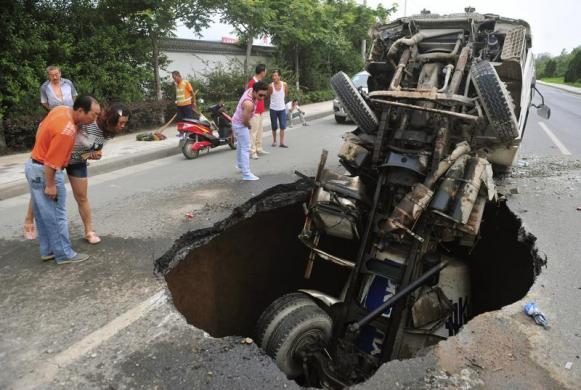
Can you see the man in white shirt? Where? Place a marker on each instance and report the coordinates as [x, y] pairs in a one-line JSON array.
[[56, 91], [292, 107]]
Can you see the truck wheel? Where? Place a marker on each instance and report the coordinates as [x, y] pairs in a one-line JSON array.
[[496, 101], [188, 151], [275, 312], [340, 119], [353, 103], [306, 326]]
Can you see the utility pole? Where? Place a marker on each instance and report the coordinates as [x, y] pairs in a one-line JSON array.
[[364, 41]]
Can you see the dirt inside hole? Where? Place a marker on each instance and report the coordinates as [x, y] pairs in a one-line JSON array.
[[222, 278]]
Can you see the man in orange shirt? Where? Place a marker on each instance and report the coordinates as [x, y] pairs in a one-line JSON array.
[[44, 171], [185, 97]]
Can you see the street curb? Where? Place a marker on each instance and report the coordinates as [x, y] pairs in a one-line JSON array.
[[21, 187], [561, 87]]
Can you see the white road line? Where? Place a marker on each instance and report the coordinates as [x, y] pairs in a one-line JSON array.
[[46, 373], [555, 140]]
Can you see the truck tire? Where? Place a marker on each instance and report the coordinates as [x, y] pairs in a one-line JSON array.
[[496, 101], [275, 312], [303, 327], [353, 103]]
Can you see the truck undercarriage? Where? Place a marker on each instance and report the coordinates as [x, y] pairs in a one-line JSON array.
[[446, 108]]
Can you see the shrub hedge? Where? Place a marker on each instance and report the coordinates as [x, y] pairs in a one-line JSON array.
[[19, 131]]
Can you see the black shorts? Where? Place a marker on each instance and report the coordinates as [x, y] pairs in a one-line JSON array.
[[77, 170]]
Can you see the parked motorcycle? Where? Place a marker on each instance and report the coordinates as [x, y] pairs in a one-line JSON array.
[[205, 134]]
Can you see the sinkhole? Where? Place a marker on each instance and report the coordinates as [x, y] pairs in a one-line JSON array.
[[222, 278]]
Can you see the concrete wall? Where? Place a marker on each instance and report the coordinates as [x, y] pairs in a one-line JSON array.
[[195, 65], [194, 58]]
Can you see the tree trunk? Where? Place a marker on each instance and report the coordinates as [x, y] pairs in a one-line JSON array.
[[298, 85], [155, 44], [247, 58]]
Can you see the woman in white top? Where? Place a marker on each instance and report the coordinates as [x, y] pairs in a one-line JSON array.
[[277, 90]]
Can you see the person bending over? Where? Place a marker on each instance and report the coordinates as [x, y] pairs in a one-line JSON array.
[[89, 143]]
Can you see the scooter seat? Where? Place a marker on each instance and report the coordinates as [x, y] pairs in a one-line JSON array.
[[197, 122]]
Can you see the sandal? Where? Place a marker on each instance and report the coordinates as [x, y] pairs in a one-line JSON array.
[[92, 238], [29, 231]]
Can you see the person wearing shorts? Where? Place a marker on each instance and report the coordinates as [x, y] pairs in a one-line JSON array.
[[54, 142], [278, 90], [89, 142]]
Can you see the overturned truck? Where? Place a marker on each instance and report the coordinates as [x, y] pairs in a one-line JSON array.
[[446, 109]]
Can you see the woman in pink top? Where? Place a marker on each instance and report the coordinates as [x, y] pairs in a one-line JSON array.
[[241, 126]]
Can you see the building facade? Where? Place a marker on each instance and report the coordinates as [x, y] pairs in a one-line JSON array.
[[195, 58]]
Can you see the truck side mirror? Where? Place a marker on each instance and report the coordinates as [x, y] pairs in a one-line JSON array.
[[543, 111]]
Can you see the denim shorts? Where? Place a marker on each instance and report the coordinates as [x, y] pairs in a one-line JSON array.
[[77, 170], [278, 116]]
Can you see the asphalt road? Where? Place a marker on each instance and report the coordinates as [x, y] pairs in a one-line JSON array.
[[549, 202], [108, 323], [560, 135]]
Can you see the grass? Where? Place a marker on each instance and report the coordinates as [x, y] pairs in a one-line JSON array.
[[559, 80]]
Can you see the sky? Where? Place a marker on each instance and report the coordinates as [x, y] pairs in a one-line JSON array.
[[554, 23]]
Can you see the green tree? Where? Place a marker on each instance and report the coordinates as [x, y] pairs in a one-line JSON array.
[[156, 19], [541, 60], [321, 37], [250, 19], [550, 68], [573, 73]]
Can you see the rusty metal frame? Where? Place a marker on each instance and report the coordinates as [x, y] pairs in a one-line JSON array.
[[431, 95], [428, 109], [327, 256]]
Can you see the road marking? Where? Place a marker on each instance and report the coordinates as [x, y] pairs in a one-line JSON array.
[[555, 140], [47, 372]]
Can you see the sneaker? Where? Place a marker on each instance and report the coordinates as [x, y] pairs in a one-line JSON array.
[[263, 152], [250, 177], [237, 168], [47, 257], [77, 259], [254, 156], [283, 146], [273, 144], [306, 124]]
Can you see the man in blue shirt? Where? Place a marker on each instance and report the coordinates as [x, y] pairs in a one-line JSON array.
[[57, 91]]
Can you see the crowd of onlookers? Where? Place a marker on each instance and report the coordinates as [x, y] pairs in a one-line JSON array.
[[73, 131], [247, 122], [76, 128]]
